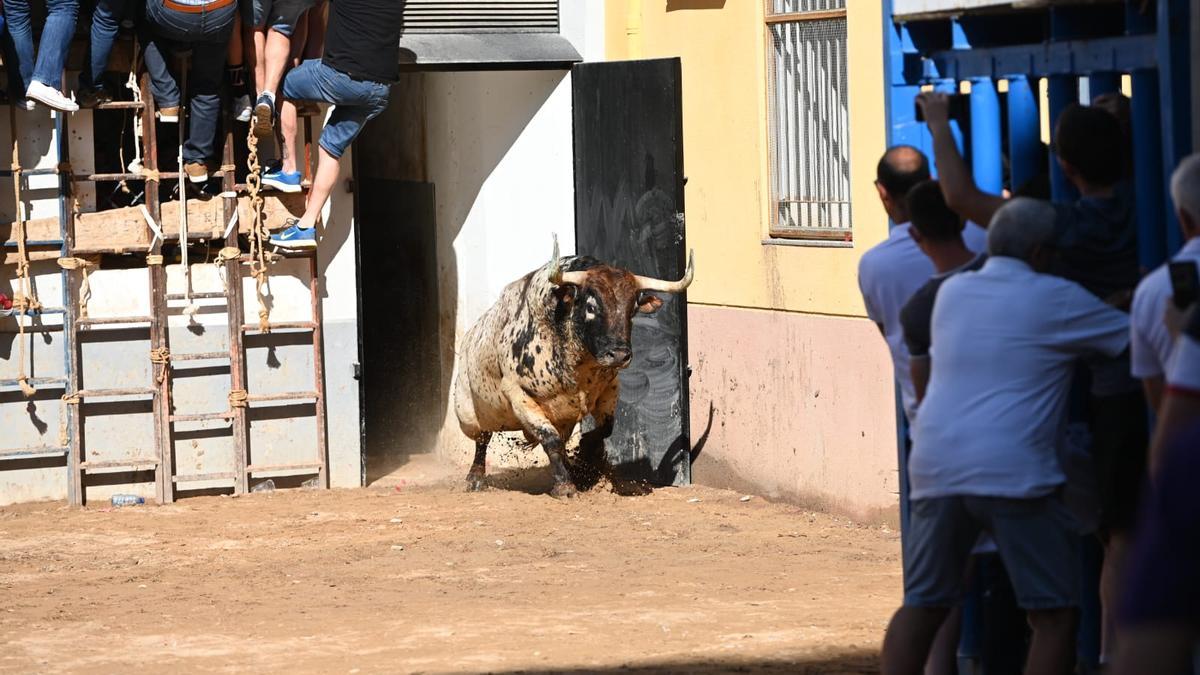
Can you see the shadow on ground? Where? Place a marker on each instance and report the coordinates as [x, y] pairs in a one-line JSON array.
[[850, 662]]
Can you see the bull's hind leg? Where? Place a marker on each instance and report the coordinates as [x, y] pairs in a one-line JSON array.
[[475, 477]]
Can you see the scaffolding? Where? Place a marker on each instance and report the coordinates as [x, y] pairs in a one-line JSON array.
[[80, 251]]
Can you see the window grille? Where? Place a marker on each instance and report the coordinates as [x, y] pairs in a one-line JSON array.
[[808, 108]]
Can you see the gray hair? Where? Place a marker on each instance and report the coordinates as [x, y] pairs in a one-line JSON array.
[[1185, 186], [1019, 227]]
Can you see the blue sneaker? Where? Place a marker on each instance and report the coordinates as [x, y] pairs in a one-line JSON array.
[[293, 236], [281, 180]]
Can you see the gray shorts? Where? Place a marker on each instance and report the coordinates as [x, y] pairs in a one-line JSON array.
[[1037, 538]]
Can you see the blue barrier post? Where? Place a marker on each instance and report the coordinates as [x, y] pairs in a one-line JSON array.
[[1148, 169], [1024, 133], [987, 161]]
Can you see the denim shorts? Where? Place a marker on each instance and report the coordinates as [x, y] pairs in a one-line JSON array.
[[278, 15], [1037, 538], [355, 102]]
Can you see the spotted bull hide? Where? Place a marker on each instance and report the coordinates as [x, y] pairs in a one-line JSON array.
[[547, 354]]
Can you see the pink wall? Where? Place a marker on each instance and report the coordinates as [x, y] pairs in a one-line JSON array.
[[802, 408]]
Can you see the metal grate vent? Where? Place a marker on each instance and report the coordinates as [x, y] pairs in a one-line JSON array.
[[810, 122], [481, 16]]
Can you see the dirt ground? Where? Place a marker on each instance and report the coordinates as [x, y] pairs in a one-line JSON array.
[[432, 579]]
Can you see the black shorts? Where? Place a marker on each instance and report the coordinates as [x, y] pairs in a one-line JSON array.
[[1120, 440]]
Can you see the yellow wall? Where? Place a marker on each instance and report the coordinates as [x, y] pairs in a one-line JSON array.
[[723, 48]]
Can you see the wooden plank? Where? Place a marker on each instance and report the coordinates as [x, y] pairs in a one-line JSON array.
[[131, 463], [256, 468], [191, 478], [124, 229]]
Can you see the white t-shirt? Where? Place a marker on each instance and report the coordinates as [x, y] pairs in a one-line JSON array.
[[1151, 343], [1005, 339], [1183, 368], [888, 275]]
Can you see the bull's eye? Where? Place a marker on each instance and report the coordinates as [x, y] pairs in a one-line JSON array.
[[590, 309]]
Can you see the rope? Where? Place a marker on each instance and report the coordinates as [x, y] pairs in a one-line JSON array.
[[258, 232], [154, 259], [239, 398], [25, 295], [149, 174], [226, 254], [85, 288], [67, 399], [160, 356]]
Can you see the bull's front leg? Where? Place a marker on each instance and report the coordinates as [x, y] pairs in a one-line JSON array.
[[536, 424], [476, 476], [593, 460]]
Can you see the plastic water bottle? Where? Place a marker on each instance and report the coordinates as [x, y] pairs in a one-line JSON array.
[[267, 485], [127, 500]]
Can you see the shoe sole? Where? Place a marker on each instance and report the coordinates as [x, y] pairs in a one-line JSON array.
[[307, 243], [244, 116], [169, 119], [262, 121], [282, 187], [198, 179], [50, 104]]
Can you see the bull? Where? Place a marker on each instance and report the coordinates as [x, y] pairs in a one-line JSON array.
[[548, 353]]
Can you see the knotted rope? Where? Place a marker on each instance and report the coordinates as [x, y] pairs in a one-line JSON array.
[[259, 235], [25, 296], [67, 399], [239, 398], [85, 287], [160, 357]]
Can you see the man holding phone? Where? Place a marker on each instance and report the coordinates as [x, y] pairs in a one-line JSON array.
[[1151, 341]]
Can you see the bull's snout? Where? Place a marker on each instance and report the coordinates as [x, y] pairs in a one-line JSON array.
[[616, 357]]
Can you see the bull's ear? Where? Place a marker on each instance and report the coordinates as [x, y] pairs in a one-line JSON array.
[[565, 293], [648, 302]]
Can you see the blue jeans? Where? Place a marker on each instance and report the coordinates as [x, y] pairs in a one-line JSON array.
[[106, 23], [207, 35], [355, 102], [47, 66]]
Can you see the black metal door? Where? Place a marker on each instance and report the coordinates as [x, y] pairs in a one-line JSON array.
[[628, 129]]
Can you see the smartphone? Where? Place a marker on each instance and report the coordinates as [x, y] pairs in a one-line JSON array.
[[1185, 283], [960, 104]]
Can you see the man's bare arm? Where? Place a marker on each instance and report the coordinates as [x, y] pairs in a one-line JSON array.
[[963, 196]]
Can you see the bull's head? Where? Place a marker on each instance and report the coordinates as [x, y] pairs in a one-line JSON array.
[[601, 300]]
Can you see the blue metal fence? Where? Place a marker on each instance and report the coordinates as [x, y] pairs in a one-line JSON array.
[[1073, 51]]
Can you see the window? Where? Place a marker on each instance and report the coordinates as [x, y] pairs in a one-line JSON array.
[[809, 119]]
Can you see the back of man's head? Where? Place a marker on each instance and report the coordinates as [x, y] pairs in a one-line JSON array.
[[1185, 192], [900, 168], [1021, 228], [1090, 140], [927, 210]]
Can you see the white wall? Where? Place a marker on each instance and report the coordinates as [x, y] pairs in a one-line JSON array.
[[499, 152]]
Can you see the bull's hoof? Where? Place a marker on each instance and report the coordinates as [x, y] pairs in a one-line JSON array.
[[475, 482], [564, 490]]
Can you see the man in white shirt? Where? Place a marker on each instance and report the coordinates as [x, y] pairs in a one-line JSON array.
[[1151, 343], [1005, 340], [894, 269]]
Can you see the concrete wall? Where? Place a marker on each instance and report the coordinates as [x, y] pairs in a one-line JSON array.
[[793, 406], [499, 154]]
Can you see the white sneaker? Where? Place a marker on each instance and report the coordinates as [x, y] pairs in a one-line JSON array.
[[26, 104], [242, 108], [49, 96]]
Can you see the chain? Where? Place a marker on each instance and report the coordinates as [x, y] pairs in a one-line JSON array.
[[259, 234]]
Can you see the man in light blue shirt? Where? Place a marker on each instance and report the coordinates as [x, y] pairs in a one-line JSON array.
[[1005, 341]]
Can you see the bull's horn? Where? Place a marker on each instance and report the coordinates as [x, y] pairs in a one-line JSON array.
[[557, 276], [652, 284]]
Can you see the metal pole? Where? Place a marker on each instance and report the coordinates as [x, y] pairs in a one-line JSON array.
[[987, 161], [1024, 135], [1148, 178]]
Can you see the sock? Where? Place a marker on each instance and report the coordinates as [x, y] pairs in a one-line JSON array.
[[270, 95]]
